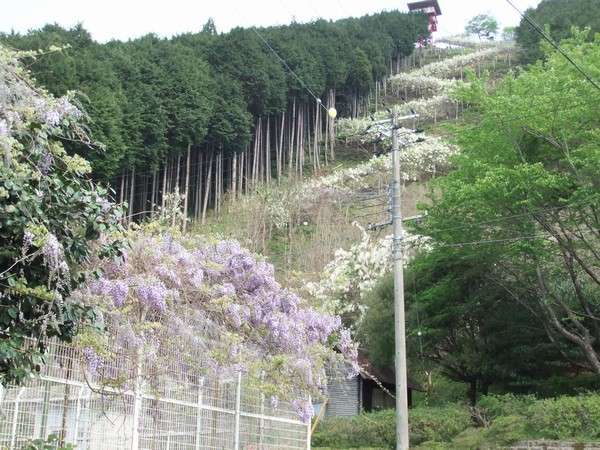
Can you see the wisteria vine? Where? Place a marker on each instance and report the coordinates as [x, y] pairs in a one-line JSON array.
[[218, 303]]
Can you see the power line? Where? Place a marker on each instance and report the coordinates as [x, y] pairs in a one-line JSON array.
[[505, 240], [512, 216], [286, 65], [539, 30]]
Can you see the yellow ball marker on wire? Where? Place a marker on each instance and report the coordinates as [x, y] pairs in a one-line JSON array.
[[331, 112]]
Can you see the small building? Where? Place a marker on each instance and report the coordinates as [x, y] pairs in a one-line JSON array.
[[431, 8], [365, 392]]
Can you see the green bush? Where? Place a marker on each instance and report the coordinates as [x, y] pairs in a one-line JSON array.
[[365, 430], [575, 417], [444, 391], [505, 430], [469, 439], [378, 429], [51, 443], [493, 406], [511, 419], [439, 424]]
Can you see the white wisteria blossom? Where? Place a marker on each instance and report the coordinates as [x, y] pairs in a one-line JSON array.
[[411, 85], [419, 156], [467, 42], [454, 67], [429, 110], [354, 272]]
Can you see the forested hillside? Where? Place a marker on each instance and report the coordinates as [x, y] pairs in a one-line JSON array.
[[558, 17], [206, 112]]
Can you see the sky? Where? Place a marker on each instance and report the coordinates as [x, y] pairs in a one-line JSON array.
[[124, 19]]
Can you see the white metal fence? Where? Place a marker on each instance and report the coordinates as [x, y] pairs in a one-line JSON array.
[[180, 411]]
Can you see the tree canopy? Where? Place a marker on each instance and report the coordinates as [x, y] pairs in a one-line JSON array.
[[150, 97], [483, 25], [558, 17], [506, 287], [525, 194]]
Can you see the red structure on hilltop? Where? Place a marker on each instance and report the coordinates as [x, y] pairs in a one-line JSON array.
[[429, 7]]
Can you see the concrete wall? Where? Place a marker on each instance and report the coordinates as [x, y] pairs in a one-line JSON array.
[[555, 445]]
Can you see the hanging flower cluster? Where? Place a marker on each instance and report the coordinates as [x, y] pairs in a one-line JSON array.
[[429, 110], [354, 272], [430, 156], [220, 307]]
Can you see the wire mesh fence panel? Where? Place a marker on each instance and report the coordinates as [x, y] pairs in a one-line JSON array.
[[171, 410]]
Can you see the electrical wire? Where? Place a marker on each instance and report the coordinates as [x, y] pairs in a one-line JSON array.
[[286, 65], [540, 31], [512, 216]]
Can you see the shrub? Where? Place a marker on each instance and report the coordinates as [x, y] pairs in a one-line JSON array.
[[493, 406], [566, 417], [438, 424], [512, 419], [506, 430], [378, 429], [365, 430]]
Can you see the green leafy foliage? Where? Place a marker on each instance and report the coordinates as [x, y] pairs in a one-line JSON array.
[[150, 98], [51, 443], [558, 17], [483, 25], [560, 418], [525, 185], [378, 429], [511, 419], [51, 215]]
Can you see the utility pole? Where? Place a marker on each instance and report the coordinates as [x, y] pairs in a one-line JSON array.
[[399, 321], [402, 437]]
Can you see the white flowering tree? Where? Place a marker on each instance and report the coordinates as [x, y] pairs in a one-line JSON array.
[[49, 214], [454, 67], [354, 272]]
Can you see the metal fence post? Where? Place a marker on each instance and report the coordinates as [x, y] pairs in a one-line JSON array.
[[199, 413], [78, 414], [261, 422], [13, 434], [308, 429], [137, 404], [238, 401]]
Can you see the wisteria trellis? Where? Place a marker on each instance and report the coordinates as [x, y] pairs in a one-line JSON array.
[[224, 302]]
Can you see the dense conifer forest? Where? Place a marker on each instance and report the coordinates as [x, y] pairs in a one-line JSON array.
[[206, 113]]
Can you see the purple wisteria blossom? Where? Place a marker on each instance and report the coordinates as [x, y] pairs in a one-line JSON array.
[[222, 303], [28, 238], [304, 408], [93, 360], [153, 294], [52, 118], [53, 255], [66, 109], [46, 162], [227, 289], [117, 290], [349, 349]]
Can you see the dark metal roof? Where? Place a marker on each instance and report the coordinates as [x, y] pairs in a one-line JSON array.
[[415, 6]]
